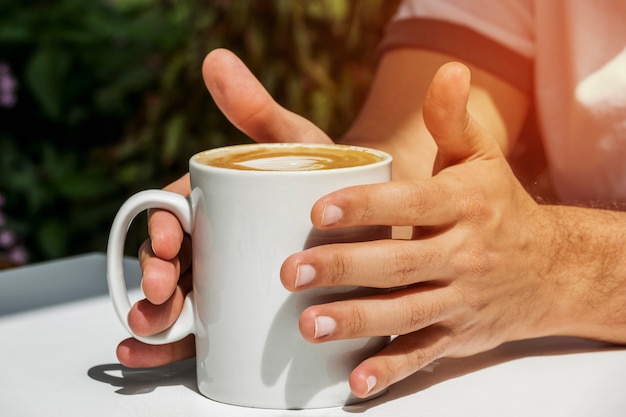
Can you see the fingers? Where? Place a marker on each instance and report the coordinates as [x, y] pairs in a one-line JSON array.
[[165, 284], [166, 234], [437, 204], [167, 254], [165, 260], [397, 312], [457, 135], [146, 318], [135, 354], [404, 356], [248, 106], [161, 276], [438, 201], [377, 264]]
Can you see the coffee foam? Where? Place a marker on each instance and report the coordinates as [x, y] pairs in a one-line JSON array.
[[287, 157], [287, 163]]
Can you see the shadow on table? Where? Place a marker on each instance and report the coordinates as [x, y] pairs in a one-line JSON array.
[[448, 368], [141, 381], [132, 381]]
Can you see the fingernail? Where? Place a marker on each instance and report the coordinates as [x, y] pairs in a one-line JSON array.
[[331, 215], [371, 383], [324, 326], [305, 275]]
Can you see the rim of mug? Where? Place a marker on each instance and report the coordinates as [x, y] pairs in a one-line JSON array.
[[385, 158]]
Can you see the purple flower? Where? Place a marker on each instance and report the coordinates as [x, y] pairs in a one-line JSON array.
[[19, 255], [8, 87], [7, 238]]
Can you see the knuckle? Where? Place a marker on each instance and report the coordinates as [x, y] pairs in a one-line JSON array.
[[420, 315], [390, 369], [412, 358], [404, 267], [410, 353], [475, 205], [415, 198], [475, 260], [145, 250], [357, 324], [338, 270], [421, 357], [368, 210]]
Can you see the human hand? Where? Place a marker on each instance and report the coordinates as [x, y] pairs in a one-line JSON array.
[[165, 258], [468, 280]]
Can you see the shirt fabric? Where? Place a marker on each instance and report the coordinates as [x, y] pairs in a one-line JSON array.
[[568, 55]]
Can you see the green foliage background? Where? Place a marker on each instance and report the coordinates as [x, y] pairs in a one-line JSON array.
[[111, 99]]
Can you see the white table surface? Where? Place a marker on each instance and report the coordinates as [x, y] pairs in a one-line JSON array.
[[58, 334]]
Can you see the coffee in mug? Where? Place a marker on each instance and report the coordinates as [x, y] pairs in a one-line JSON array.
[[249, 209], [289, 158]]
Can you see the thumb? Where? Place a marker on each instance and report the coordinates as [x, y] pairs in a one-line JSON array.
[[458, 136], [248, 105]]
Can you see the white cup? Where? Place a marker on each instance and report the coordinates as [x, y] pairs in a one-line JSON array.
[[243, 225]]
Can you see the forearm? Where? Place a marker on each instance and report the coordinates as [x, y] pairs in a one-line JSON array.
[[391, 117], [584, 267]]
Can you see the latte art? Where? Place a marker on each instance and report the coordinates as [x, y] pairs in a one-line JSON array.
[[286, 163], [288, 157]]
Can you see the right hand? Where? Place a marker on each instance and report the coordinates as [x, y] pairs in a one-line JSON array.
[[166, 257]]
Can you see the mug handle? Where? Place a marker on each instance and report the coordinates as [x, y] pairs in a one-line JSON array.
[[184, 210]]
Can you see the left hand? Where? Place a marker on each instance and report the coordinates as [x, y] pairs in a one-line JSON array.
[[165, 258], [469, 280]]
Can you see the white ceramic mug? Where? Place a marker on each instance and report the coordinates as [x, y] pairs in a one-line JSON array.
[[243, 224]]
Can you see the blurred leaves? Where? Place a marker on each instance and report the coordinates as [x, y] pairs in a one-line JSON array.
[[44, 75], [111, 98]]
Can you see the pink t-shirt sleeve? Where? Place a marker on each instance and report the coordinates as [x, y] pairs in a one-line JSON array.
[[496, 36]]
